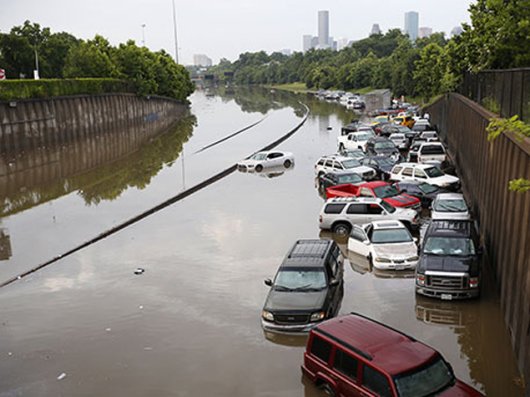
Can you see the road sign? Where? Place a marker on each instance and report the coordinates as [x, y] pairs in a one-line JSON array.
[[2, 74]]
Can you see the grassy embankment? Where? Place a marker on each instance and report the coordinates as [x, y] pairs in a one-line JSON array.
[[12, 90], [301, 88]]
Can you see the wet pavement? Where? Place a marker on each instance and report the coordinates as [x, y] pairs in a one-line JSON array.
[[190, 324]]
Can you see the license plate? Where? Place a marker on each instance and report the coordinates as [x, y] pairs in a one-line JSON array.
[[446, 297]]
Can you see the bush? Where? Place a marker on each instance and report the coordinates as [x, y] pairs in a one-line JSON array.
[[11, 90]]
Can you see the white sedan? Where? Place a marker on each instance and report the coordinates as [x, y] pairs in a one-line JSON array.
[[261, 160], [388, 244]]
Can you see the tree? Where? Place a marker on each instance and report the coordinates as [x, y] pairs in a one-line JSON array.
[[429, 71], [90, 59]]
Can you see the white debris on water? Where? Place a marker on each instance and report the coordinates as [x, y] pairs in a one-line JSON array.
[[62, 376]]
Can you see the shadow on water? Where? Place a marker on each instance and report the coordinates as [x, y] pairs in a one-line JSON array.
[[100, 168]]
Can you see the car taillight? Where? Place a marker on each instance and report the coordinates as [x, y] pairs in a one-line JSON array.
[[420, 279], [320, 218], [473, 282]]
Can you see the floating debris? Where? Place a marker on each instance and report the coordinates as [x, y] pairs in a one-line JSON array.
[[139, 270], [62, 376]]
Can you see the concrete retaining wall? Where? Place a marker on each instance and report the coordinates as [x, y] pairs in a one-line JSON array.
[[44, 123]]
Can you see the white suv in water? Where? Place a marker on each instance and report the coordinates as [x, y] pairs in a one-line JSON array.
[[341, 213], [338, 163], [424, 173]]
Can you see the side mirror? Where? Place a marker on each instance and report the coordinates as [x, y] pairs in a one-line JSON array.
[[268, 282], [415, 239], [366, 242], [334, 283]]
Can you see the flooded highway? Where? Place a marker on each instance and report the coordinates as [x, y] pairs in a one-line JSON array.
[[190, 324]]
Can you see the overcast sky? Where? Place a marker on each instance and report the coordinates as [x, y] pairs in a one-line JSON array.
[[226, 28]]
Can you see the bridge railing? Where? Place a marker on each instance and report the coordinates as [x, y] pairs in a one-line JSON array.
[[504, 92]]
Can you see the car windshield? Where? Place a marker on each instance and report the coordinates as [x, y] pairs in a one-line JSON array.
[[433, 172], [389, 236], [384, 145], [300, 279], [349, 178], [384, 161], [427, 188], [385, 191], [403, 129], [425, 381], [259, 156], [388, 207], [364, 136], [356, 154], [449, 246], [351, 163], [453, 205]]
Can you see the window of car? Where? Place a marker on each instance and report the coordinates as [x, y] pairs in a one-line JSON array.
[[384, 145], [329, 163], [426, 188], [407, 171], [259, 156], [432, 149], [300, 279], [349, 178], [391, 236], [346, 364], [357, 233], [385, 191], [351, 163], [388, 208], [320, 348], [365, 192], [433, 172], [375, 209], [450, 205], [275, 155], [376, 382], [420, 174], [397, 169], [452, 246], [426, 380], [334, 208], [357, 208], [321, 162]]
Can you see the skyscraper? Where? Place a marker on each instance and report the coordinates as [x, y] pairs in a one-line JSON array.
[[307, 42], [412, 24], [323, 29]]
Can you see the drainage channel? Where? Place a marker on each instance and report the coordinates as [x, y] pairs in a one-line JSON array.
[[159, 207]]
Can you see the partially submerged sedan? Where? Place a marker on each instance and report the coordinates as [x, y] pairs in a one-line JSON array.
[[261, 160], [388, 245]]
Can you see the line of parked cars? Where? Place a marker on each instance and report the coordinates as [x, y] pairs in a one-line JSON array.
[[375, 194]]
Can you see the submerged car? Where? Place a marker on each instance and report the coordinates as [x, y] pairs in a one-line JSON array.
[[380, 146], [338, 178], [381, 164], [426, 173], [450, 206], [307, 288], [257, 162], [422, 190], [387, 244]]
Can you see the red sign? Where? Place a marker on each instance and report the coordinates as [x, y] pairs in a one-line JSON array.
[[2, 74]]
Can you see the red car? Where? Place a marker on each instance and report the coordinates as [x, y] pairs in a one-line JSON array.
[[380, 189], [353, 356]]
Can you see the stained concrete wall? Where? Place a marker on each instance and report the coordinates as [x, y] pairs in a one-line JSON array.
[[32, 124], [504, 216]]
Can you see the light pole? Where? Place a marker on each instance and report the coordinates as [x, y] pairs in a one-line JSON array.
[[36, 71], [143, 34], [175, 33]]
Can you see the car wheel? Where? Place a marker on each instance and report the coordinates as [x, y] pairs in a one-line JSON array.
[[341, 228], [287, 163], [327, 389], [259, 168]]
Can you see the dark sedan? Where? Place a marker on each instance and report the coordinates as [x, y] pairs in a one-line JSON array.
[[422, 190], [381, 164], [380, 146], [338, 178]]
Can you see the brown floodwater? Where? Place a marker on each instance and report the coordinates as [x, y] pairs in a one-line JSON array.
[[190, 324]]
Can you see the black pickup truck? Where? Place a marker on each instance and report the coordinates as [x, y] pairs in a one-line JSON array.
[[450, 261]]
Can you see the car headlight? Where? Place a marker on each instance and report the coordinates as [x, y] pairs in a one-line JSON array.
[[413, 258], [267, 315], [381, 259], [318, 316]]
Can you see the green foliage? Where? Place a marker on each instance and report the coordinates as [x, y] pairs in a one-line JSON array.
[[491, 104], [44, 88], [429, 71], [496, 127], [62, 55]]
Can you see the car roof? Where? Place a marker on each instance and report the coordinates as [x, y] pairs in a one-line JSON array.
[[415, 165], [449, 228], [373, 184], [342, 172], [392, 224], [449, 196], [337, 157], [307, 253], [385, 347], [352, 199]]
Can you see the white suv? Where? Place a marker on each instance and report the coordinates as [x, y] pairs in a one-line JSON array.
[[340, 214], [432, 153], [335, 162], [425, 173]]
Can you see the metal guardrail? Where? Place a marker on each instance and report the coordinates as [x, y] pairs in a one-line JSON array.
[[503, 92]]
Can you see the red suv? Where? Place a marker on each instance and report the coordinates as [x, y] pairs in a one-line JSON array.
[[356, 356]]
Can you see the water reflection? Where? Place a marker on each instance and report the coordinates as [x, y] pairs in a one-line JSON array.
[[269, 172], [100, 167], [286, 339], [5, 245]]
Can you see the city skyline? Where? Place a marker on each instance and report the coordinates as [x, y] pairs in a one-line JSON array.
[[224, 29]]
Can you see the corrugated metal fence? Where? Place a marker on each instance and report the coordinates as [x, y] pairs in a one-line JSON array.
[[504, 216], [506, 92]]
